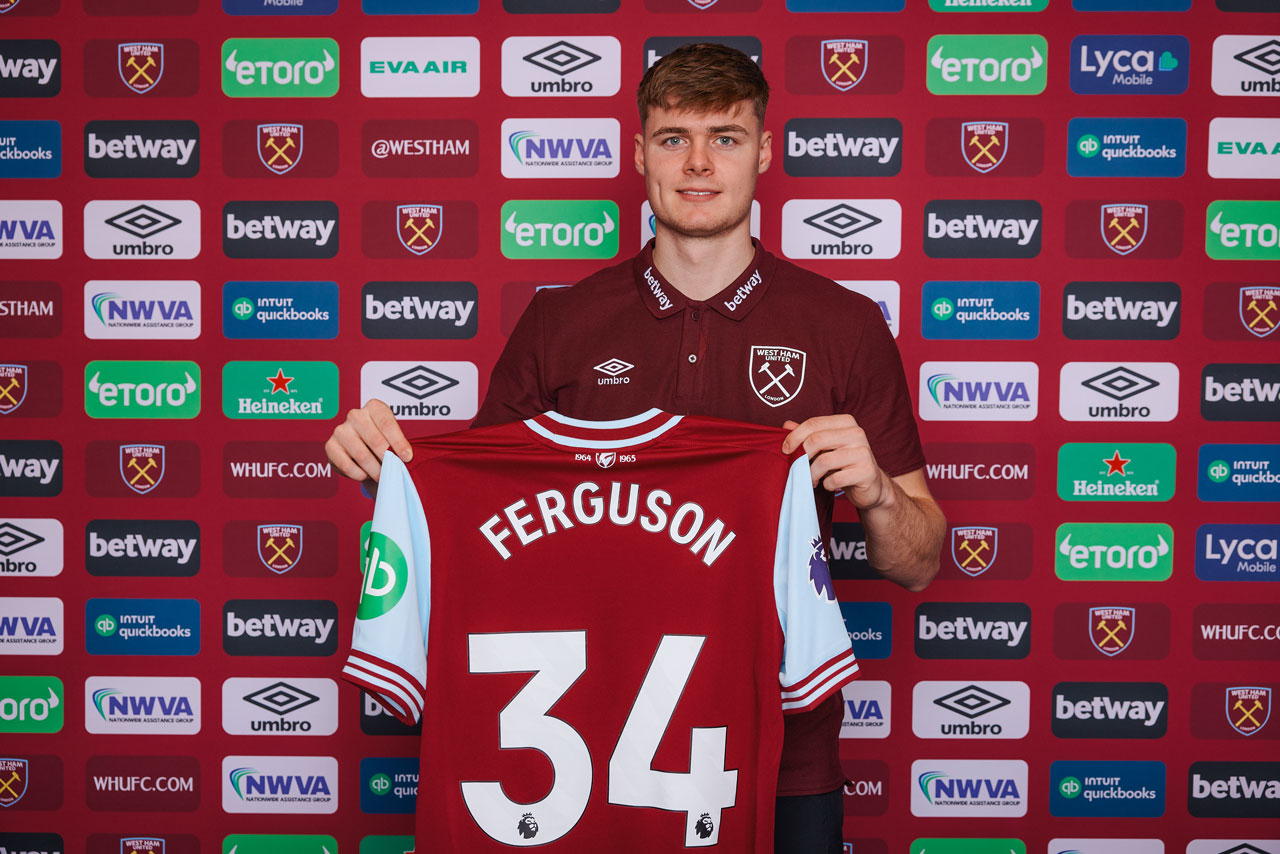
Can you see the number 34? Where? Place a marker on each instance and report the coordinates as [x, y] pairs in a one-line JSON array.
[[557, 659]]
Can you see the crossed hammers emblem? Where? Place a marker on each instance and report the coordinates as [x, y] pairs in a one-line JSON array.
[[845, 68], [278, 552], [1247, 714], [6, 392], [974, 553], [1111, 633], [7, 785], [775, 380], [419, 233], [984, 150], [1123, 230], [142, 471], [280, 150], [140, 70], [1260, 316]]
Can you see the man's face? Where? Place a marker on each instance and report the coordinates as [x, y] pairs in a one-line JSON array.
[[700, 169]]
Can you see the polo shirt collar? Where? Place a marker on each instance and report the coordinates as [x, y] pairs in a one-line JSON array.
[[735, 301]]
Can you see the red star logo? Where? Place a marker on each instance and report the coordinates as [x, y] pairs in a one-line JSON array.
[[281, 383], [1116, 465]]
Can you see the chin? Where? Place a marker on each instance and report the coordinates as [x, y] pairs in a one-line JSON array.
[[704, 227]]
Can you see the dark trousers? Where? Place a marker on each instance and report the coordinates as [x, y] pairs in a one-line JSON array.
[[809, 824]]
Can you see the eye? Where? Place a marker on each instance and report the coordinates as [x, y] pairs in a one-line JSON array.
[[726, 140], [672, 141]]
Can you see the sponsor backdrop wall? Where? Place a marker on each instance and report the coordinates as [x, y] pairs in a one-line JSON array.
[[224, 224]]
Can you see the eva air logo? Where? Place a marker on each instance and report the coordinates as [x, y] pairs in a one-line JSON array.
[[142, 389], [276, 390], [105, 625], [1069, 787], [943, 309], [559, 229], [280, 68], [1243, 230], [1119, 551], [30, 704], [379, 784], [1100, 471], [1218, 471], [386, 576], [987, 64]]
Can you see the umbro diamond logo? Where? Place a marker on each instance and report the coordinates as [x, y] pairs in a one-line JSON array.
[[14, 539], [562, 58], [613, 367], [972, 701], [420, 382], [281, 698], [1265, 57], [1120, 383], [143, 221], [842, 220]]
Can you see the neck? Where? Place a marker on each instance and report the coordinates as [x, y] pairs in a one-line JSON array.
[[701, 267]]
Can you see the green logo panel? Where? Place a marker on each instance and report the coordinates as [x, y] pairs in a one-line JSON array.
[[987, 64], [988, 6], [278, 843], [30, 704], [533, 228], [968, 846], [386, 844], [142, 389], [386, 576], [1243, 231], [280, 68], [1116, 471], [280, 390], [1113, 551]]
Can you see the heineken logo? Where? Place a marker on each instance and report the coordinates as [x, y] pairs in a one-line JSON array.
[[1130, 471], [278, 390]]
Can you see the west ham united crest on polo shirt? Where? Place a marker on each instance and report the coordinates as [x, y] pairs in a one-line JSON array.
[[776, 373]]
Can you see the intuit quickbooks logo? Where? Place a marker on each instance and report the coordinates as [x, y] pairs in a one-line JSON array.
[[1003, 311], [1114, 551], [142, 389], [280, 68], [1238, 473], [276, 390], [1243, 230], [1129, 789], [1127, 147], [559, 229], [142, 626], [297, 310], [987, 64]]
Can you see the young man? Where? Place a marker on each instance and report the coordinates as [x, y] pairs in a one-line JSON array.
[[706, 321]]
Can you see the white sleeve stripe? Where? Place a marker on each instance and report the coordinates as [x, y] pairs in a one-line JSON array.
[[387, 695], [359, 670], [825, 689], [381, 669], [805, 686]]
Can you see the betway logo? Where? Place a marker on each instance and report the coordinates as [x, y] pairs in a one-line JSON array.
[[317, 231], [1249, 389], [879, 148], [1146, 712], [417, 308], [138, 546], [16, 467], [276, 626], [1235, 788], [967, 628], [39, 69], [976, 226], [1116, 308], [137, 147]]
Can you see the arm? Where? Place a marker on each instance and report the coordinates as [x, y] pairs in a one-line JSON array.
[[904, 526]]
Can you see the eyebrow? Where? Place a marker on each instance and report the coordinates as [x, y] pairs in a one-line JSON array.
[[664, 131]]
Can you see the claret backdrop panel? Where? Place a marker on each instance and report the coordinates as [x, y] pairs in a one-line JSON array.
[[223, 224]]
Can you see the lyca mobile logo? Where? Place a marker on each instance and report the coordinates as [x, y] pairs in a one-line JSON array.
[[1243, 230], [1114, 551], [1239, 473], [987, 64], [1127, 147], [968, 788], [1130, 471], [559, 229], [280, 68], [276, 390], [142, 389], [1129, 65], [1238, 552]]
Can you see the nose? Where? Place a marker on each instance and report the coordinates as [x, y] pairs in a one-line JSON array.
[[698, 159]]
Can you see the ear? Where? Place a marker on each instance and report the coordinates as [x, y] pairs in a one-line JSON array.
[[640, 153], [766, 152]]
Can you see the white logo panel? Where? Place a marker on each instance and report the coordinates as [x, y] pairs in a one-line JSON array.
[[142, 230], [30, 548], [867, 709], [157, 309], [155, 705], [1109, 846], [561, 66], [269, 705], [31, 625], [884, 293], [30, 229], [422, 391], [971, 710], [1118, 391], [841, 228], [560, 148], [279, 784], [420, 67], [1244, 148], [1246, 65], [979, 391], [969, 788]]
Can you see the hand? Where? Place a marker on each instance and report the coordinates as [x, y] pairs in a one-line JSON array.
[[356, 447], [840, 458]]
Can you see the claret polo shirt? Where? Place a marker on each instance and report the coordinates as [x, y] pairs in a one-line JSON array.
[[779, 343]]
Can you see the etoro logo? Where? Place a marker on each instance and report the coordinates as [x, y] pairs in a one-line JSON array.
[[278, 843], [561, 66], [1130, 65], [559, 229], [31, 548], [987, 64], [1246, 65], [280, 784], [280, 68], [420, 67], [979, 391], [1104, 391], [971, 710], [1114, 551], [841, 228], [274, 390], [30, 68], [1243, 230], [158, 705], [968, 788], [31, 704], [1129, 471], [142, 389], [1110, 709], [142, 230]]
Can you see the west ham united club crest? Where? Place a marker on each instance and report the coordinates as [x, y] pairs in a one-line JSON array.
[[984, 144], [1248, 709], [6, 5], [279, 147], [141, 64], [1111, 629], [420, 227], [13, 387], [1124, 227], [776, 373], [142, 845], [1259, 312], [13, 781], [142, 467], [279, 546], [974, 549], [844, 62], [702, 4]]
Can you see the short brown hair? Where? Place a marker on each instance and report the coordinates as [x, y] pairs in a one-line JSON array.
[[703, 77]]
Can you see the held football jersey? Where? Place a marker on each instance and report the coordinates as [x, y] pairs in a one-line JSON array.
[[600, 626]]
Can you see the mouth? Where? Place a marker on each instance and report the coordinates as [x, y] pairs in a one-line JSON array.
[[698, 194]]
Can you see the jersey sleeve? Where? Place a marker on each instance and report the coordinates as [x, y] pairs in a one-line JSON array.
[[389, 645], [817, 656]]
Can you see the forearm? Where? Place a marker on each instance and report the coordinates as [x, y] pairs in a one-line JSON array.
[[904, 537]]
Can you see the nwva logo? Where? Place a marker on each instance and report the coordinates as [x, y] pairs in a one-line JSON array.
[[111, 704], [279, 784], [941, 789], [249, 782], [979, 391], [560, 148], [968, 788], [30, 229], [27, 627]]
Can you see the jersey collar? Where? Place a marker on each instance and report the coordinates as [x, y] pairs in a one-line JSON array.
[[600, 435], [734, 302]]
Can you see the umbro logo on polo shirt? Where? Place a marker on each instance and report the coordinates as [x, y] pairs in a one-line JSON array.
[[613, 368]]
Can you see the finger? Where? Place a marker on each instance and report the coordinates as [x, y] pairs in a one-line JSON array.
[[828, 440], [358, 449], [839, 460], [360, 421], [800, 432], [342, 461], [385, 421]]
